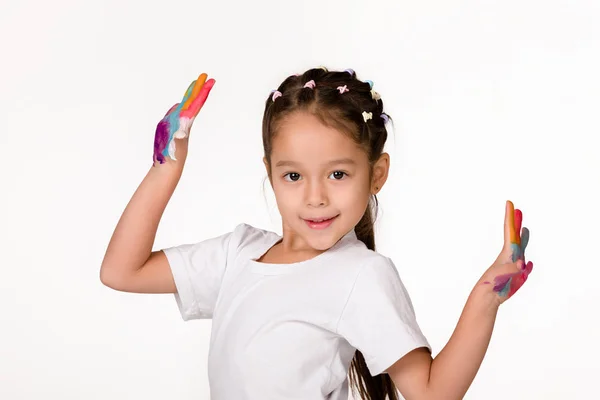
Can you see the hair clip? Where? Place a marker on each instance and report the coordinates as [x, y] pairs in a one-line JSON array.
[[276, 94], [385, 118], [343, 89], [367, 115], [375, 95], [350, 71], [323, 68], [310, 84], [370, 84]]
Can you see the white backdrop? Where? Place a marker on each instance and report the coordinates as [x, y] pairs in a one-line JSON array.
[[491, 100]]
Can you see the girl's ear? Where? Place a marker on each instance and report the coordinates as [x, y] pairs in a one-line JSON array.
[[381, 169]]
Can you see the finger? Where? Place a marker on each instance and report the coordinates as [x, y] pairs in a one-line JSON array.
[[524, 239], [515, 252], [518, 221], [528, 268], [509, 224], [187, 94], [201, 99], [195, 90]]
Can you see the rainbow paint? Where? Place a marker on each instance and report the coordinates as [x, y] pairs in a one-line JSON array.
[[506, 285], [177, 122]]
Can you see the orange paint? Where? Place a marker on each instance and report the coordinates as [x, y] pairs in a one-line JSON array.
[[196, 89], [511, 221]]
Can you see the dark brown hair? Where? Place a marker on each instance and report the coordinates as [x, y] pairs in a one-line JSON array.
[[344, 112]]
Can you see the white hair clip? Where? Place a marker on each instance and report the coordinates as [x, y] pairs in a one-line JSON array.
[[343, 89], [367, 115], [310, 84], [375, 95]]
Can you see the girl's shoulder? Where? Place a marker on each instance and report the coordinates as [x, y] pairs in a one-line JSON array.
[[246, 238], [353, 256], [353, 249], [245, 234]]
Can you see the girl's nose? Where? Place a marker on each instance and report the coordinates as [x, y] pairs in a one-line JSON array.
[[316, 195]]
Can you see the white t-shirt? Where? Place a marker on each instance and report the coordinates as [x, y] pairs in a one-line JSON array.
[[289, 331]]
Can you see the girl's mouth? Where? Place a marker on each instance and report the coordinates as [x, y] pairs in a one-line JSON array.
[[320, 223]]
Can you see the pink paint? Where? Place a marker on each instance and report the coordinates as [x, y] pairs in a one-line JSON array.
[[506, 285]]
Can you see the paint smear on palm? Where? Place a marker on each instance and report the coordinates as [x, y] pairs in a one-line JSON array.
[[177, 122], [506, 285]]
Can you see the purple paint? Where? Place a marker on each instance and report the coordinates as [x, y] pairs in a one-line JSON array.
[[161, 139]]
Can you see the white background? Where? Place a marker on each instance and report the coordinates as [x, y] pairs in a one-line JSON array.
[[492, 100]]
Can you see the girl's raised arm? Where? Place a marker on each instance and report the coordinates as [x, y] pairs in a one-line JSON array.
[[129, 264]]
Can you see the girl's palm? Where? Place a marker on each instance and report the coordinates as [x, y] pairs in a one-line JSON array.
[[176, 124], [510, 270]]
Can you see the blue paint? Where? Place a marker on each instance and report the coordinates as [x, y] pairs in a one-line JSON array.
[[173, 117], [524, 239], [516, 252]]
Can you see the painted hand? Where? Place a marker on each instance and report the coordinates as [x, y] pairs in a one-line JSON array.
[[510, 270], [177, 122]]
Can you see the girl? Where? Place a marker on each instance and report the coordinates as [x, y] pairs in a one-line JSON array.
[[301, 315]]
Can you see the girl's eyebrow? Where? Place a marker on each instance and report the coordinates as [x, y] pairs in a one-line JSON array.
[[285, 163]]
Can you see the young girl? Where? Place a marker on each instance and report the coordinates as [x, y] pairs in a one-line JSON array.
[[299, 316]]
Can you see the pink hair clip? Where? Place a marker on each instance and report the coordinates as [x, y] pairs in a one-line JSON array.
[[310, 84], [343, 89], [276, 94]]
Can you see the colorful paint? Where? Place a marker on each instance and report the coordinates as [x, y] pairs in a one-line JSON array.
[[506, 285], [177, 122]]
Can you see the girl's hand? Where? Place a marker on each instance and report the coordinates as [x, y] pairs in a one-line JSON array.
[[510, 270], [176, 124]]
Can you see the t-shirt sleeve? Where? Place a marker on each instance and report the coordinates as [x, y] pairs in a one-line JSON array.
[[379, 319], [198, 271]]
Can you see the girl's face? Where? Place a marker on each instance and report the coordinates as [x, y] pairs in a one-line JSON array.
[[321, 182]]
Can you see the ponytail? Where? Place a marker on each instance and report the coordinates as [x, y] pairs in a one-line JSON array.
[[365, 386], [365, 229]]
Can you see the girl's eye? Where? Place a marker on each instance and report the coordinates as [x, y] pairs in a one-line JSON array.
[[292, 176], [337, 175]]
